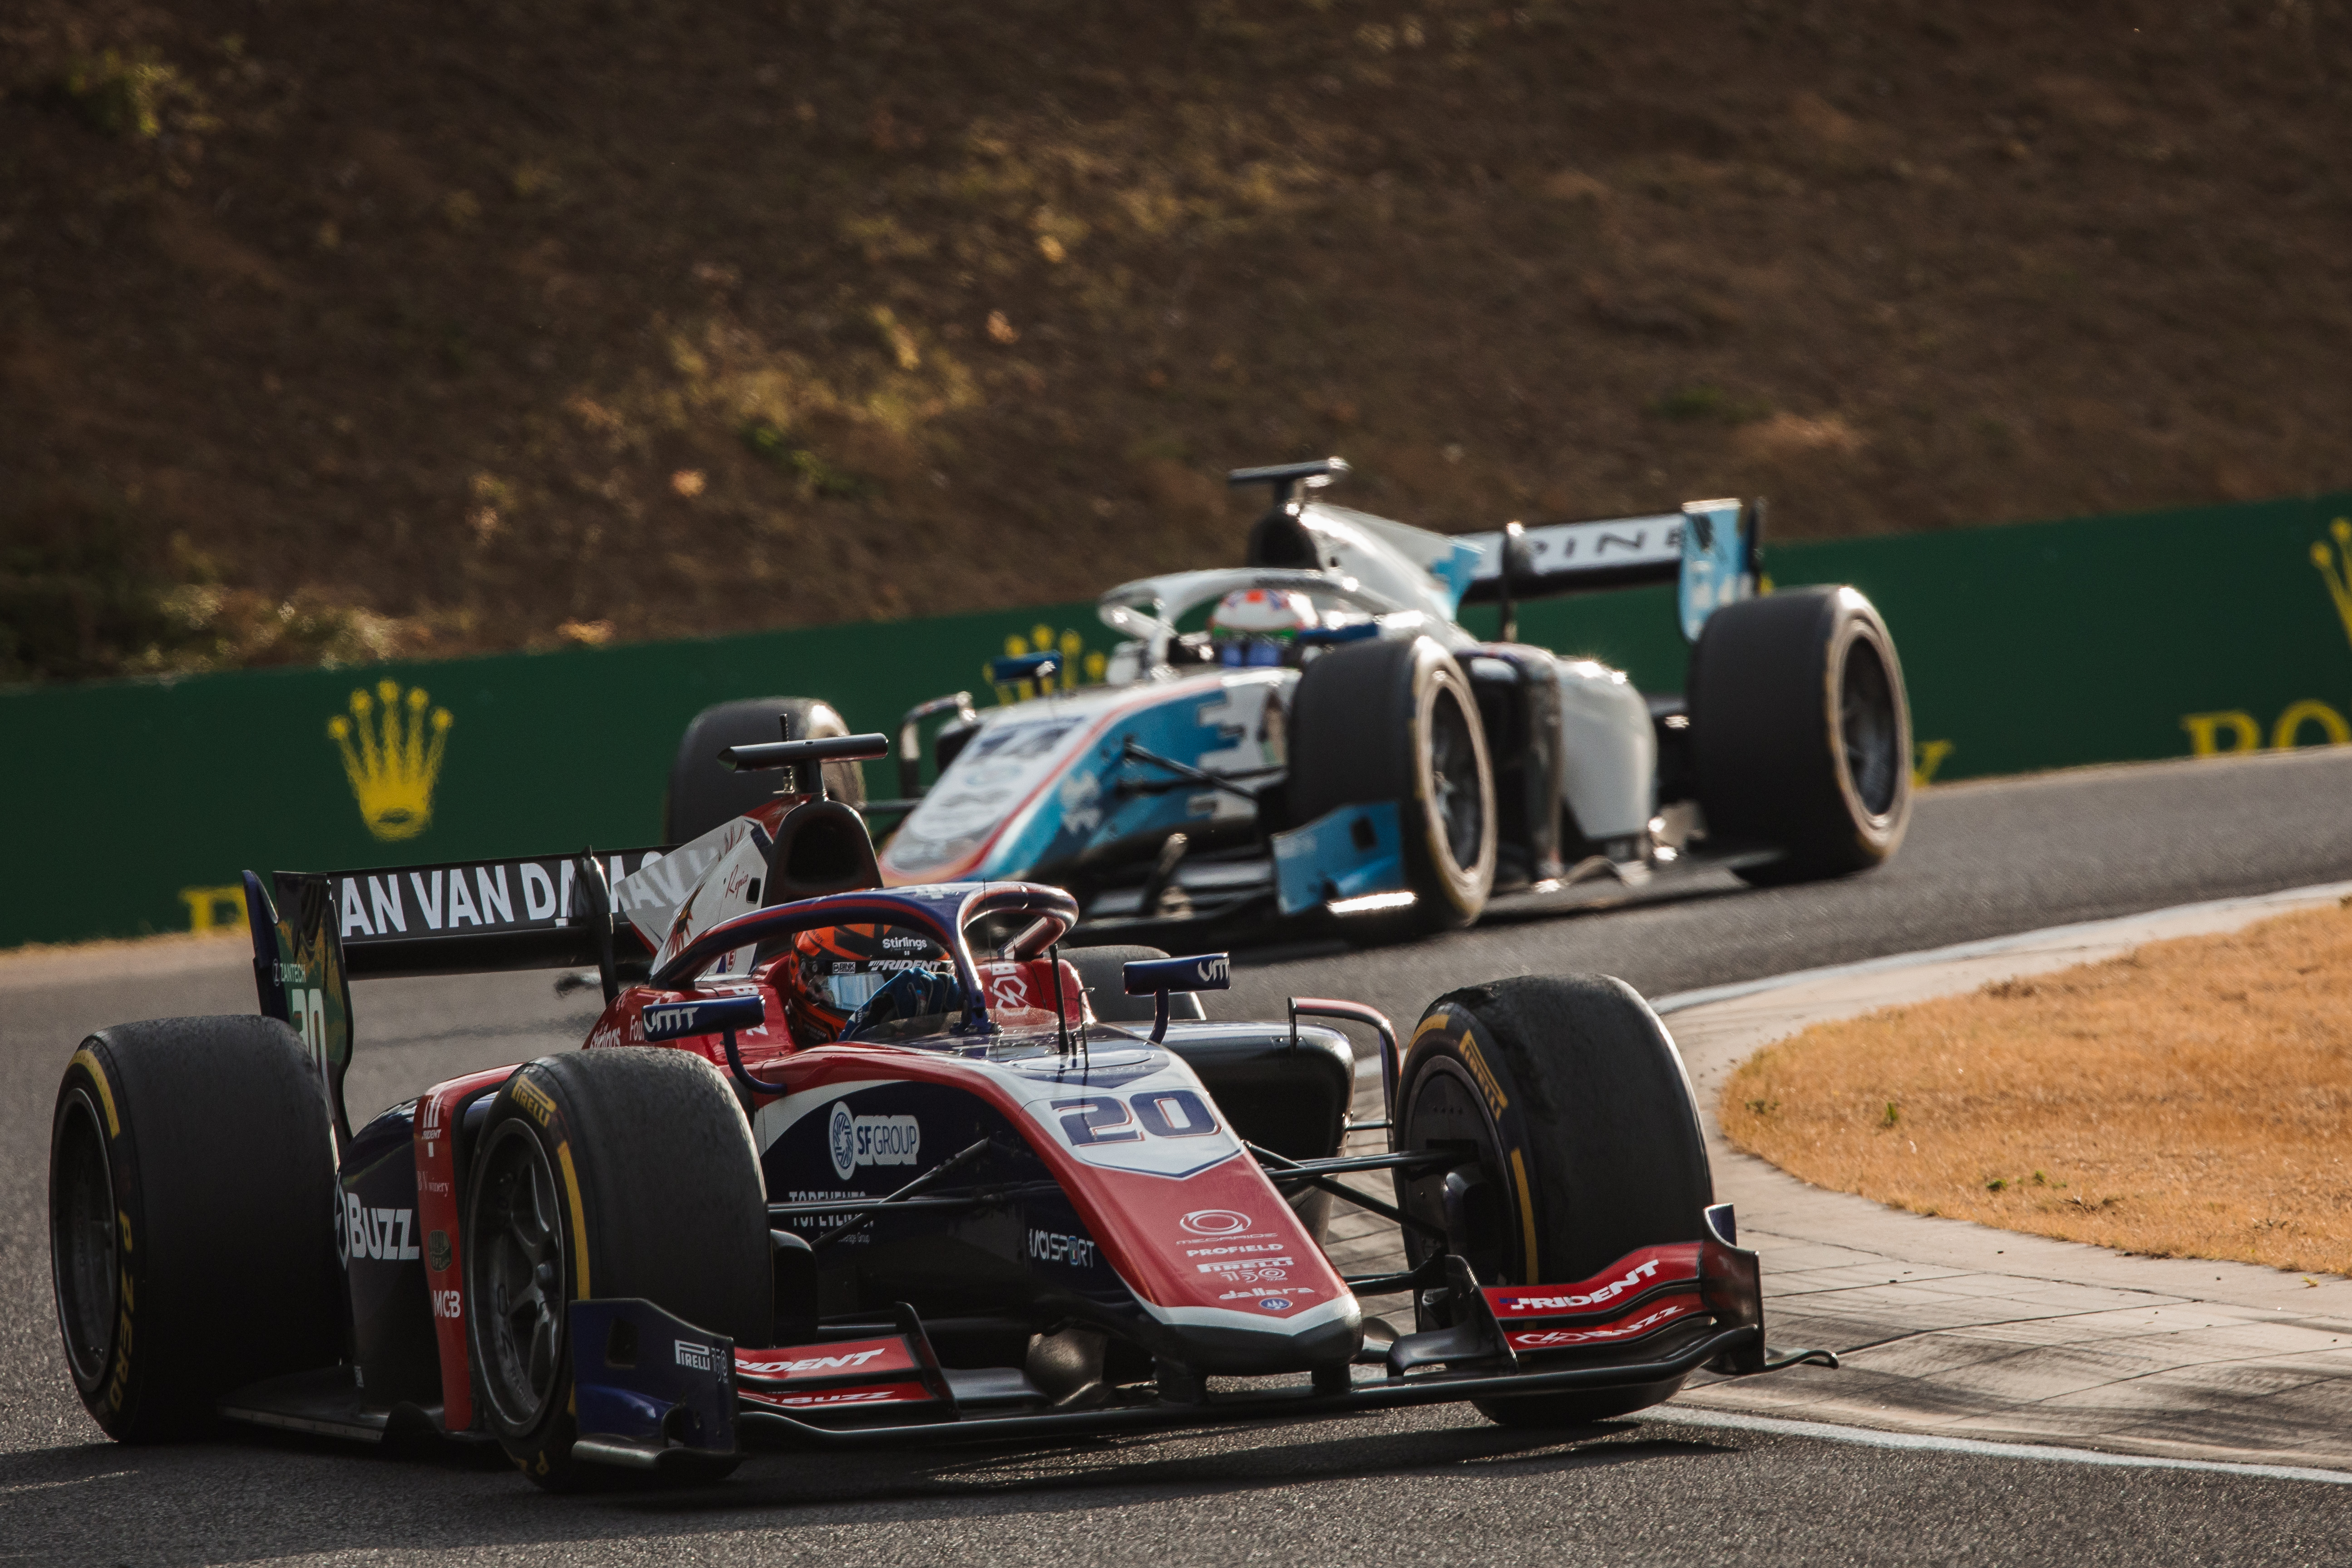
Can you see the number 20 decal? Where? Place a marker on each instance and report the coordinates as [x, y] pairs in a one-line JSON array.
[[1163, 1112]]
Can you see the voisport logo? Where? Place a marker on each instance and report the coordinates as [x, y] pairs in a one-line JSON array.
[[392, 763]]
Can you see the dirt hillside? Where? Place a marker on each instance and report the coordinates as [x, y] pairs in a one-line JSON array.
[[342, 331]]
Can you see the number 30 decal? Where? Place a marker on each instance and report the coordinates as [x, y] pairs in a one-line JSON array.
[[1163, 1112]]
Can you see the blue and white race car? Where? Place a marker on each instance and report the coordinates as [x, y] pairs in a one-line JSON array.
[[1334, 743]]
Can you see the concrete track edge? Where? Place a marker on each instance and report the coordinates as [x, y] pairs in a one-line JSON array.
[[1970, 1334]]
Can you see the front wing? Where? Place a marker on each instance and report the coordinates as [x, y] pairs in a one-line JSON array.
[[1645, 1323]]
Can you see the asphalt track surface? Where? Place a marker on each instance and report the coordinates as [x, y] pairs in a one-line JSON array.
[[1437, 1485]]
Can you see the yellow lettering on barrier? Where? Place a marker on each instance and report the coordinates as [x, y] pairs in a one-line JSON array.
[[2337, 568], [1931, 757], [210, 908], [2205, 732], [2337, 733]]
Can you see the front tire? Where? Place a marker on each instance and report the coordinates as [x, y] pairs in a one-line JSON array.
[[1584, 1140], [622, 1172], [1801, 733], [1396, 721], [192, 1212], [705, 793]]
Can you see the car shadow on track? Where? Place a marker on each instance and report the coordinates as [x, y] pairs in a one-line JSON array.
[[1091, 1474], [263, 1495]]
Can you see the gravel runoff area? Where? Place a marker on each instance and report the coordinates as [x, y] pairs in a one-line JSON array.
[[2189, 1098], [1961, 1331]]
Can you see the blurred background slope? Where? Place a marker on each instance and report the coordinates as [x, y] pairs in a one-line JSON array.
[[336, 331]]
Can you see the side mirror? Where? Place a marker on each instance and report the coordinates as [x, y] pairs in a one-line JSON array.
[[1159, 976], [714, 1015], [1015, 667]]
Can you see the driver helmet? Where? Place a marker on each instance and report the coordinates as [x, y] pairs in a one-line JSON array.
[[833, 971], [1278, 612]]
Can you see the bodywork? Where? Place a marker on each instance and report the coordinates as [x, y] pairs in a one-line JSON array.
[[1074, 787]]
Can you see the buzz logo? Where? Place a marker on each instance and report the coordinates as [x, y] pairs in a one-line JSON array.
[[699, 1358], [857, 1141], [386, 1235]]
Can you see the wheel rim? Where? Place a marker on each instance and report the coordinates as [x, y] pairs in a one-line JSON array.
[[1453, 791], [1445, 1112], [82, 1241], [1869, 728], [516, 1288]]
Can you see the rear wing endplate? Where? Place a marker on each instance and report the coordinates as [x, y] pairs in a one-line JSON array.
[[315, 932]]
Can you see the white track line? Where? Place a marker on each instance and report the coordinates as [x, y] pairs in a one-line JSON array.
[[1863, 1437]]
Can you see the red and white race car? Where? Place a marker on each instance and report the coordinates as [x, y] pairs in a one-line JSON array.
[[858, 1165]]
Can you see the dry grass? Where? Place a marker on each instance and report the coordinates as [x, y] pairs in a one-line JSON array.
[[334, 333], [2191, 1098]]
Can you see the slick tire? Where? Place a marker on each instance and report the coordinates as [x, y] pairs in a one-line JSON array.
[[192, 1212], [705, 792], [1396, 721], [613, 1173], [1801, 733], [1572, 1098], [1104, 972]]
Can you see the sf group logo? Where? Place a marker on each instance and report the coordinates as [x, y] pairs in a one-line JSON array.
[[1215, 1222], [855, 1140]]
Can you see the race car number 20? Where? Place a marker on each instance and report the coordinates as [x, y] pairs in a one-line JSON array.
[[1158, 1113]]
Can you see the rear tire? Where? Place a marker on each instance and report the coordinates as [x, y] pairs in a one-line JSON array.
[[1801, 733], [1574, 1100], [622, 1172], [193, 1216], [1396, 721], [704, 791]]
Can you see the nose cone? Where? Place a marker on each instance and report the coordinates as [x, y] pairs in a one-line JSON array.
[[1287, 1337]]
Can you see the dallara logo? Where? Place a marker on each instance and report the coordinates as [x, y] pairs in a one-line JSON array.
[[2335, 565], [391, 759]]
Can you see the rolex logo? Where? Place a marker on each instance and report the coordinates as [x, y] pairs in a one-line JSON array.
[[2335, 565], [390, 760]]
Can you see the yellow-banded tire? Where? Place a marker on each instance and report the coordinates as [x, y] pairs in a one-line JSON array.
[[193, 1208], [1581, 1143], [616, 1173]]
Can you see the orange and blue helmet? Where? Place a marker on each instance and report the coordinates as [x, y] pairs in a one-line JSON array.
[[836, 969]]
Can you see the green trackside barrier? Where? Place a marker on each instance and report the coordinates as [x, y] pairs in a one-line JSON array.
[[134, 804]]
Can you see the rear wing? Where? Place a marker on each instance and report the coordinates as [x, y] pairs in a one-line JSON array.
[[313, 931], [1711, 549]]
